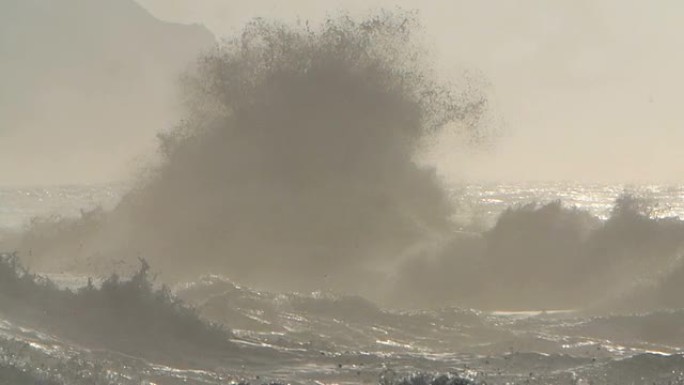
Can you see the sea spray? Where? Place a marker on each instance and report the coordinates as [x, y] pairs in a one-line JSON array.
[[294, 167]]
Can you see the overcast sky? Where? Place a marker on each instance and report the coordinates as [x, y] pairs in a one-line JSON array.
[[584, 89]]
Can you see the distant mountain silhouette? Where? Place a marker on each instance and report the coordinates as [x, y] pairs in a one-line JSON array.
[[85, 85]]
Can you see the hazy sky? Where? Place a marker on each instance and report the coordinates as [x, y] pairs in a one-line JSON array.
[[585, 89], [85, 85], [580, 89]]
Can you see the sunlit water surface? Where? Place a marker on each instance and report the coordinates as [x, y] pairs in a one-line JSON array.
[[321, 338]]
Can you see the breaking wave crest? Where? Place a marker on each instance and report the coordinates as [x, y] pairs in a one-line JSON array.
[[550, 256]]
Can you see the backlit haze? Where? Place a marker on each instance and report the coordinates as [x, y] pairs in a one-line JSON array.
[[585, 90], [340, 192], [580, 90]]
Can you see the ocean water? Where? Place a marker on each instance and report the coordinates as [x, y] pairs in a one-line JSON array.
[[18, 205], [322, 338], [489, 199], [326, 338]]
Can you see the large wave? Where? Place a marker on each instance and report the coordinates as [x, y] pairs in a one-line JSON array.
[[294, 167]]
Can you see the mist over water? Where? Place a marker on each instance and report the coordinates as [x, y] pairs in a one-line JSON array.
[[305, 239], [295, 165]]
